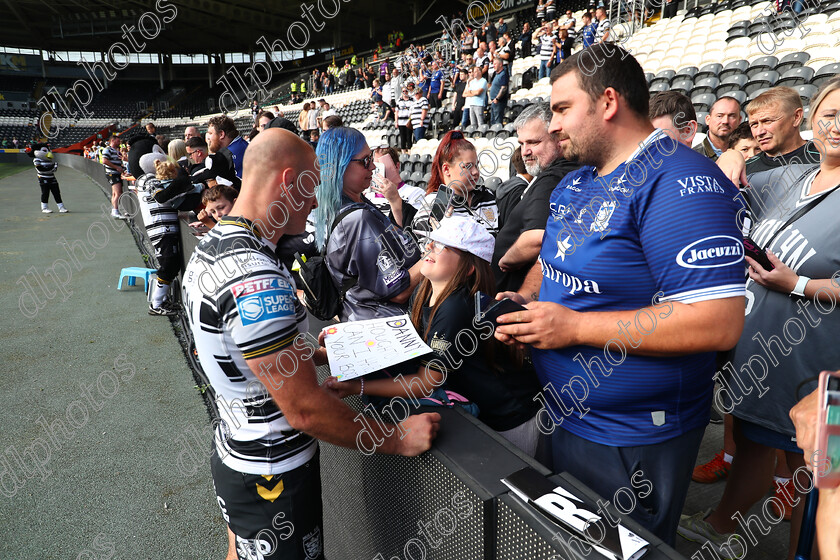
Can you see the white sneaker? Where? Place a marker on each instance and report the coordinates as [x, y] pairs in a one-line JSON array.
[[62, 209], [116, 215], [46, 210]]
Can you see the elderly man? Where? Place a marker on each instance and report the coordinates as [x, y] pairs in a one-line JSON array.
[[191, 132], [265, 465]]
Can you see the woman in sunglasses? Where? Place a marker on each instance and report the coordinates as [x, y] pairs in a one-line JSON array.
[[455, 167], [363, 247]]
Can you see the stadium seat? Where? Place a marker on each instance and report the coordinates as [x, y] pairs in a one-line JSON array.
[[416, 177], [405, 176], [761, 80], [738, 94], [762, 64], [796, 76], [709, 70], [688, 73], [706, 85], [703, 101], [756, 93], [792, 60], [492, 183], [701, 120], [648, 77], [806, 92], [825, 73], [734, 82], [664, 76], [659, 86], [739, 66], [470, 130], [683, 86]]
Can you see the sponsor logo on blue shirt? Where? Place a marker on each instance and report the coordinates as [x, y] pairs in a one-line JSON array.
[[711, 252]]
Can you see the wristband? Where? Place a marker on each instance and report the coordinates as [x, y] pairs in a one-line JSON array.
[[362, 392], [799, 289]]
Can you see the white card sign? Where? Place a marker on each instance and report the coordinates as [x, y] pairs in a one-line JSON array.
[[357, 348]]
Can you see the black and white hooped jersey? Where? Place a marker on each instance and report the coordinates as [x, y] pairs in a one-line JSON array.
[[160, 219], [112, 155], [45, 168], [241, 305]]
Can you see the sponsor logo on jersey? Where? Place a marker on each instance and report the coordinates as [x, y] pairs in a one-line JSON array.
[[697, 184], [312, 544], [263, 299], [569, 281], [712, 252], [439, 345]]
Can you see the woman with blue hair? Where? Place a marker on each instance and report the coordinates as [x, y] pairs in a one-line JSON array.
[[362, 245]]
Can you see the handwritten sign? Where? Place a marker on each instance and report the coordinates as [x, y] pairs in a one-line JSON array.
[[360, 347]]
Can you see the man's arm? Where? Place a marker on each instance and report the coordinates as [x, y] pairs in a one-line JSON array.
[[113, 166], [706, 326], [524, 251], [313, 410]]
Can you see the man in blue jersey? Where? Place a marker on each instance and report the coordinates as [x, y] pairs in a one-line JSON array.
[[642, 281], [224, 138]]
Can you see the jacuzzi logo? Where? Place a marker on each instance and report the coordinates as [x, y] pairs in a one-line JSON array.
[[712, 252]]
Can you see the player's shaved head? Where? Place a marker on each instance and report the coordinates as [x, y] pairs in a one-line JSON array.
[[272, 151]]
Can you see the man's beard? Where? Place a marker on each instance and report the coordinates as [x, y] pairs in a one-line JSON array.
[[534, 168]]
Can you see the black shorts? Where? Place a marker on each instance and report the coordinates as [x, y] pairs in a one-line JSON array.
[[274, 517], [113, 178]]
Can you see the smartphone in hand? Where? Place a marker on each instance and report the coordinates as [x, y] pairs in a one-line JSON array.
[[752, 250], [489, 310]]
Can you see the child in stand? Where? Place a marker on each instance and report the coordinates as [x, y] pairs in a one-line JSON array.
[[467, 359], [218, 201], [45, 166]]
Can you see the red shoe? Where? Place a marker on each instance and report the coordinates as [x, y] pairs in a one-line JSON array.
[[714, 470], [785, 491]]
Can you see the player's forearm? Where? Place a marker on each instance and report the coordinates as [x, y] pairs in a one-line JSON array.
[[666, 328], [525, 250], [530, 288]]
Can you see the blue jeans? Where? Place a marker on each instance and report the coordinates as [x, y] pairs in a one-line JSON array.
[[544, 71], [497, 111], [606, 470], [419, 133], [465, 117]]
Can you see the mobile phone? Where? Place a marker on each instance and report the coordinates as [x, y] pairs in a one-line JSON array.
[[827, 475], [489, 310], [752, 250], [441, 203]]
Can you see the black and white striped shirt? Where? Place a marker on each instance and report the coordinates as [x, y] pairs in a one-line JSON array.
[[112, 155], [160, 219], [404, 111], [45, 169], [547, 45], [241, 305], [417, 107]]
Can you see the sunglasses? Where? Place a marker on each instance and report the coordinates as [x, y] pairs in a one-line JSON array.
[[366, 161]]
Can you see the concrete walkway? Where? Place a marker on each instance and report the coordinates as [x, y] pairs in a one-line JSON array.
[[95, 395]]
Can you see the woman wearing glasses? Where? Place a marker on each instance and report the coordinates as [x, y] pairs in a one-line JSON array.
[[455, 166], [364, 246]]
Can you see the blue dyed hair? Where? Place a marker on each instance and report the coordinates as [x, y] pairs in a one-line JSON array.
[[335, 149]]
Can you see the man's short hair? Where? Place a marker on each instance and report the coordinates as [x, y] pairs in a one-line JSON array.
[[741, 132], [787, 99], [268, 114], [223, 123], [197, 142], [672, 104], [333, 121], [541, 111], [606, 65]]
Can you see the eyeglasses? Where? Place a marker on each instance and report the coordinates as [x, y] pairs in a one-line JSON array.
[[435, 247], [366, 161]]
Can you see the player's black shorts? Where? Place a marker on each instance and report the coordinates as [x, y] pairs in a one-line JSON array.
[[274, 517], [113, 178]]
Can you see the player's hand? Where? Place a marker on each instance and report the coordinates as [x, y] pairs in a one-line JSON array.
[[342, 389], [780, 279], [544, 325], [732, 163], [422, 429]]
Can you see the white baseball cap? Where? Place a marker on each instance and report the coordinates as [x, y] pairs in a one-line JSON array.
[[465, 234]]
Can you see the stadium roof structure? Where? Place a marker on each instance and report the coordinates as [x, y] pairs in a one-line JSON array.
[[199, 26]]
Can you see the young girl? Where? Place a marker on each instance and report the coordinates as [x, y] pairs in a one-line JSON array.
[[466, 358], [455, 166]]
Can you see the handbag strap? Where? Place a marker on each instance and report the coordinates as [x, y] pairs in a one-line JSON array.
[[802, 211]]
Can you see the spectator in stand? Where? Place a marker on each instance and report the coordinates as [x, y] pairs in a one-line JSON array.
[[805, 199], [222, 136], [459, 115], [540, 11], [384, 70], [562, 47], [364, 244], [653, 404], [436, 89], [490, 32], [191, 132], [255, 109], [588, 30], [503, 27], [670, 9], [525, 40], [673, 112], [151, 129], [313, 117], [396, 84], [509, 193], [546, 48], [333, 121], [314, 136], [419, 115], [476, 96], [569, 24], [482, 60], [604, 32], [303, 121], [382, 112], [741, 140], [455, 166], [521, 235], [551, 10], [376, 89], [498, 92], [505, 52], [403, 122], [724, 116], [263, 120], [177, 152]]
